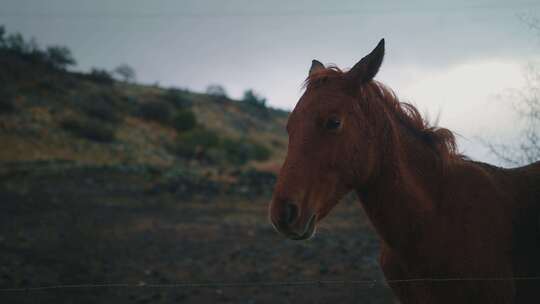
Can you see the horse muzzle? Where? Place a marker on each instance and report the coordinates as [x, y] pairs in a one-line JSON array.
[[296, 230]]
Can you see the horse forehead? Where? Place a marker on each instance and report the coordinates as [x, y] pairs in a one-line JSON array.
[[306, 111], [319, 101], [307, 107], [315, 102]]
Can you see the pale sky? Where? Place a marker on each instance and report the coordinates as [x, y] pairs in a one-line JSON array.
[[450, 58]]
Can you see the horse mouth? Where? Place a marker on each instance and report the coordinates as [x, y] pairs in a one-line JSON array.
[[308, 232]]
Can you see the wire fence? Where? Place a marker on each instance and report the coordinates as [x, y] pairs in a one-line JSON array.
[[263, 284], [290, 12]]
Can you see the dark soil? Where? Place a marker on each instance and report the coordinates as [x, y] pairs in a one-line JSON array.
[[63, 224]]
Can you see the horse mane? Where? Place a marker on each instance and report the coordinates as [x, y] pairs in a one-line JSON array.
[[441, 140]]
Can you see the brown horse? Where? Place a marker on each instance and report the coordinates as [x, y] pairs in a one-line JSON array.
[[452, 230]]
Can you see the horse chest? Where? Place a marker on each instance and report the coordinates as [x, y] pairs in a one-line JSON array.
[[436, 281], [458, 248]]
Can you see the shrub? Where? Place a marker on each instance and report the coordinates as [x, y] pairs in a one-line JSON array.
[[130, 99], [34, 53], [177, 98], [252, 98], [89, 129], [216, 91], [28, 50], [59, 57], [235, 151], [254, 183], [259, 152], [184, 120], [201, 137], [196, 143], [100, 107], [156, 111], [100, 76], [2, 33], [15, 43], [7, 104], [49, 86], [206, 144], [241, 151]]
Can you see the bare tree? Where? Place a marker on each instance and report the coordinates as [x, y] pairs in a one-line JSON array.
[[527, 106], [217, 91], [126, 72]]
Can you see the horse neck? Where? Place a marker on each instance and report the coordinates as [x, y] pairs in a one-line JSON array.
[[400, 198]]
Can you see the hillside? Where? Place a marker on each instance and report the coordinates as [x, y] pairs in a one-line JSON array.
[[39, 103]]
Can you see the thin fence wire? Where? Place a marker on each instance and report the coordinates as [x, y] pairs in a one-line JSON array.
[[369, 283], [279, 13]]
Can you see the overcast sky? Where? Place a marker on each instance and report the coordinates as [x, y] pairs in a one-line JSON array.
[[450, 58]]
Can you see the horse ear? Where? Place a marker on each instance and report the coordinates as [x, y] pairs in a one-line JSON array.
[[368, 66], [316, 66]]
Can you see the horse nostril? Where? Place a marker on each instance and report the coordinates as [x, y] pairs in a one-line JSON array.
[[290, 212]]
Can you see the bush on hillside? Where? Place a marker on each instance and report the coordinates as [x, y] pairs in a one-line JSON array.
[[2, 33], [89, 129], [207, 145], [217, 92], [241, 151], [7, 106], [46, 86], [200, 137], [177, 98], [196, 143], [100, 76], [16, 43], [255, 105], [7, 102], [155, 111], [252, 98], [59, 57], [184, 120], [259, 152], [100, 107]]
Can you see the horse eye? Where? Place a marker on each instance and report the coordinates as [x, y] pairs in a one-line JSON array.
[[332, 123]]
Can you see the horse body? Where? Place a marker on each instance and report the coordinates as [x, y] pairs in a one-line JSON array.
[[478, 229], [452, 230]]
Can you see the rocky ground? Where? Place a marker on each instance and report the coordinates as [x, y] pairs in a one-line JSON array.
[[65, 224]]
